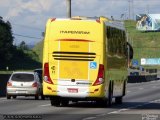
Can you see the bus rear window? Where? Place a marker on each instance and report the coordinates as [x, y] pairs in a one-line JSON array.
[[21, 77]]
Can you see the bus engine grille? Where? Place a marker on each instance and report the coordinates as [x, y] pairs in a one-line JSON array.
[[74, 56]]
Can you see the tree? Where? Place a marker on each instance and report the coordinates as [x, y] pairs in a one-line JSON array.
[[23, 46], [6, 43]]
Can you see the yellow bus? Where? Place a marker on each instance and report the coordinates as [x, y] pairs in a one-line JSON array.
[[84, 59]]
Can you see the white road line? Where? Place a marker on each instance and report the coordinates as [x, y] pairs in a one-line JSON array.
[[154, 87], [45, 105], [141, 88], [2, 98], [89, 118], [128, 91], [100, 115], [5, 100], [133, 107]]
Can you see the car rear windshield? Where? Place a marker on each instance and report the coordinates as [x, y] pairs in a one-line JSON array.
[[23, 77]]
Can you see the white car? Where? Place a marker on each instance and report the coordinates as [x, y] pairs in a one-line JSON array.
[[24, 84]]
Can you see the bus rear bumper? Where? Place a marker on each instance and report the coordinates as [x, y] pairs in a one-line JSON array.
[[76, 91]]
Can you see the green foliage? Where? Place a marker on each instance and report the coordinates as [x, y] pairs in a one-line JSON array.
[[38, 49], [24, 60], [6, 42], [23, 46], [145, 44], [15, 58]]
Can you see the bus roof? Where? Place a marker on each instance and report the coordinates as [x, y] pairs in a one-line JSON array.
[[115, 24]]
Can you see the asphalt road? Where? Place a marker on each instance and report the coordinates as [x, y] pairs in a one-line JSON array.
[[142, 102]]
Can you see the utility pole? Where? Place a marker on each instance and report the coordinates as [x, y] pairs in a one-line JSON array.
[[148, 9], [68, 8], [133, 9], [129, 9]]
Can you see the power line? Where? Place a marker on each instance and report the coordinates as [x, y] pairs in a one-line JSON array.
[[26, 36], [29, 27]]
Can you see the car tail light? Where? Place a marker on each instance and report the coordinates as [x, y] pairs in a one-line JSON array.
[[100, 77], [46, 74], [9, 84], [35, 84]]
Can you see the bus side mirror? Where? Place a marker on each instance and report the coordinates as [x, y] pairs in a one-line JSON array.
[[129, 51]]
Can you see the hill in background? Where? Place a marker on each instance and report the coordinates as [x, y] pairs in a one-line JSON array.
[[38, 49], [145, 44]]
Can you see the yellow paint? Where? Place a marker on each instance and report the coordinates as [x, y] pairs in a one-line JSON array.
[[82, 36], [74, 70]]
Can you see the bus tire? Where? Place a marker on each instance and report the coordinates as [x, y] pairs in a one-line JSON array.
[[110, 99], [118, 100], [14, 96], [55, 102], [110, 95], [42, 97], [64, 103]]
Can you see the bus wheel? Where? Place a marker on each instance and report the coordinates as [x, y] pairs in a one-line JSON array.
[[64, 102], [55, 102], [110, 99], [118, 100], [110, 95], [42, 97], [14, 96], [102, 103]]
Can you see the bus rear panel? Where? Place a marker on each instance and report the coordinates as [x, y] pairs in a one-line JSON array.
[[74, 61]]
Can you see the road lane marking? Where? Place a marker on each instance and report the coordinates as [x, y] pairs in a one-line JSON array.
[[155, 87], [89, 118], [45, 105], [141, 88], [128, 91], [100, 115], [133, 107], [2, 98]]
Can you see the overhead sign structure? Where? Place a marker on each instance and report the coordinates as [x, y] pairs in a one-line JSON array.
[[150, 61]]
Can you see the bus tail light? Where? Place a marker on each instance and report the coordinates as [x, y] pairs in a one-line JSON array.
[[47, 77], [100, 77]]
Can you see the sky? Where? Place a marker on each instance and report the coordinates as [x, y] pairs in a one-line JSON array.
[[28, 17]]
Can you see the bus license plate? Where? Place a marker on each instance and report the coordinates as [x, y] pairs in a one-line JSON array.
[[72, 90]]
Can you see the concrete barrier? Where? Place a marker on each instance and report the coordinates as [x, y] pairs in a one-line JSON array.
[[141, 78], [3, 82]]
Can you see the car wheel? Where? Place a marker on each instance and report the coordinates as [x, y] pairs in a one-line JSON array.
[[8, 97], [36, 97]]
